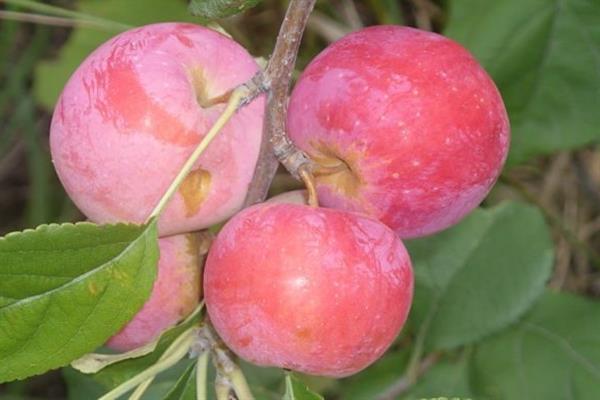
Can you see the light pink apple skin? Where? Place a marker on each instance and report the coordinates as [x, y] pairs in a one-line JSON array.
[[129, 117], [175, 294], [417, 119], [316, 290]]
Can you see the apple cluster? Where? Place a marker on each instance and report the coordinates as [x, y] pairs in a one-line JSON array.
[[407, 133]]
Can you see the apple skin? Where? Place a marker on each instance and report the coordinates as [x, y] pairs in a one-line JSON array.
[[130, 116], [175, 294], [316, 290], [417, 125]]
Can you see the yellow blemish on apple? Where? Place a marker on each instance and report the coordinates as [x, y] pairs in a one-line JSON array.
[[194, 190]]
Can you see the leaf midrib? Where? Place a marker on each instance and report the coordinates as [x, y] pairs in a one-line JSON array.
[[563, 343], [77, 279]]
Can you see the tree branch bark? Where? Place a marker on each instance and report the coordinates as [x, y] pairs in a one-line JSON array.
[[276, 79]]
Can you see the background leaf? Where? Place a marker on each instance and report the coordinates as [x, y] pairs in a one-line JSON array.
[[213, 9], [118, 373], [448, 378], [296, 390], [52, 75], [85, 387], [371, 382], [481, 275], [545, 59], [553, 353], [185, 387], [60, 286]]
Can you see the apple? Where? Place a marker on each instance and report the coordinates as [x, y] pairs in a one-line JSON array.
[[175, 294], [404, 124], [134, 111], [316, 290]]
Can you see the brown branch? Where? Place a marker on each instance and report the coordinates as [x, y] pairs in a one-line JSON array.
[[553, 219], [275, 144], [586, 181]]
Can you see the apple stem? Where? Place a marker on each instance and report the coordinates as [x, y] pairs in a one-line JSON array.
[[213, 101], [201, 373], [222, 387], [175, 352], [322, 170], [141, 389], [232, 106], [240, 385], [229, 375], [309, 181]]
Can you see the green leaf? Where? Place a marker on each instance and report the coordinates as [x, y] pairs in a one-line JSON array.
[[60, 287], [553, 353], [85, 387], [81, 386], [296, 390], [213, 9], [448, 378], [445, 398], [115, 374], [52, 75], [264, 382], [91, 363], [374, 380], [543, 55], [481, 275], [185, 387]]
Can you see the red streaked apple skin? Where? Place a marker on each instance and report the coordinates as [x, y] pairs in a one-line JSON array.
[[419, 123], [129, 117], [175, 294], [316, 290]]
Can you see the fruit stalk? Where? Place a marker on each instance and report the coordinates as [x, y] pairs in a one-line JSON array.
[[178, 349], [229, 375], [275, 144], [232, 104]]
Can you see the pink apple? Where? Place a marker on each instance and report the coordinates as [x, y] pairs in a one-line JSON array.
[[175, 294], [316, 290], [414, 125], [133, 112]]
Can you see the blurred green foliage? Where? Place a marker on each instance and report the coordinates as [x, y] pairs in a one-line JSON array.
[[213, 9], [51, 75], [544, 56]]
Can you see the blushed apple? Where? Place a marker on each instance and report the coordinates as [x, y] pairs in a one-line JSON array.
[[133, 112], [316, 290], [412, 126], [175, 294]]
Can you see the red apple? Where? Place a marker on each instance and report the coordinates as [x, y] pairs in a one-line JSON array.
[[175, 294], [133, 112], [413, 125], [316, 290]]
